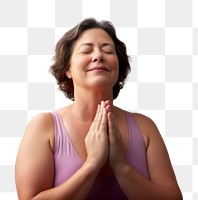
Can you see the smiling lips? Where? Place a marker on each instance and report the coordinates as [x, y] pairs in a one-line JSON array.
[[98, 68]]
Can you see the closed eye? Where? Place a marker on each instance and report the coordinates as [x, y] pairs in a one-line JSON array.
[[108, 51], [108, 48], [86, 50]]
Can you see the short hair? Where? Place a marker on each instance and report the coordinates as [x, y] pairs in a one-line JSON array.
[[64, 48]]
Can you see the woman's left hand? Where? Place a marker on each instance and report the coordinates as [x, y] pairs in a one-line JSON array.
[[116, 152]]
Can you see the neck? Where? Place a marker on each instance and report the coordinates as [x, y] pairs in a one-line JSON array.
[[86, 102]]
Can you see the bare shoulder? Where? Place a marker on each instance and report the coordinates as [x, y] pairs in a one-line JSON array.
[[41, 126], [144, 121], [147, 126], [41, 121]]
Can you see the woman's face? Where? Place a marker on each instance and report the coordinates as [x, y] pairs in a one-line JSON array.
[[93, 62]]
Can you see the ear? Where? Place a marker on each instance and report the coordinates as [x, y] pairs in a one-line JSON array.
[[68, 74]]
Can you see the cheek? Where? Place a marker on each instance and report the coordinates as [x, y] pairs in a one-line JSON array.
[[114, 61], [116, 64], [117, 68], [79, 62]]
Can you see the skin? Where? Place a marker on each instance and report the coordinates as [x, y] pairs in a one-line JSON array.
[[100, 139]]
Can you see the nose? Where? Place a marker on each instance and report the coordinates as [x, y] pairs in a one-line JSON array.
[[97, 56]]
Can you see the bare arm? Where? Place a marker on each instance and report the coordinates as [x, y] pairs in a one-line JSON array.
[[162, 184], [77, 187], [35, 161]]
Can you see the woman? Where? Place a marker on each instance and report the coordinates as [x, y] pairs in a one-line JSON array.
[[92, 149]]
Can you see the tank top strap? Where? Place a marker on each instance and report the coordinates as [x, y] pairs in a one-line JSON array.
[[63, 143], [135, 133], [136, 154], [58, 132]]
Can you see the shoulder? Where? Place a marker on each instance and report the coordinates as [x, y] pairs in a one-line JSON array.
[[42, 121], [41, 126], [144, 121], [147, 126]]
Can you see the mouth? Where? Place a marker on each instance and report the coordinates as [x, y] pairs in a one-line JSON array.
[[98, 68]]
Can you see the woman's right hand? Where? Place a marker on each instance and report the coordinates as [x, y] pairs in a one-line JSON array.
[[96, 141]]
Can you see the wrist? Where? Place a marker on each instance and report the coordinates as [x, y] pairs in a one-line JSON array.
[[92, 167], [121, 168]]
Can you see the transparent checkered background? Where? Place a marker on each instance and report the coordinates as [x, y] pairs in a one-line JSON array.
[[162, 39]]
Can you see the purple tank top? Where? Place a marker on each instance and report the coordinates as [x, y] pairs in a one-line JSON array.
[[67, 161]]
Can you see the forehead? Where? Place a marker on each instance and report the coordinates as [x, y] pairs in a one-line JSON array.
[[94, 35]]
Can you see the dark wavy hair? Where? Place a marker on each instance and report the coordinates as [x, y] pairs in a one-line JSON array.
[[64, 48]]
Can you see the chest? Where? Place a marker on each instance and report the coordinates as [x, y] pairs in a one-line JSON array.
[[78, 131]]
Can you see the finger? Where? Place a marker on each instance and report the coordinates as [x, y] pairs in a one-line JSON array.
[[104, 120], [112, 123], [103, 104], [107, 102], [98, 118], [94, 125], [111, 128], [103, 116], [108, 108], [97, 112]]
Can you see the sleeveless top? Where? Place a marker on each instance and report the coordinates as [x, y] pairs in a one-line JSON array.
[[67, 161]]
